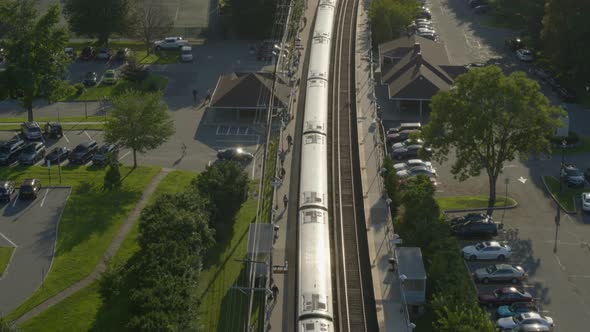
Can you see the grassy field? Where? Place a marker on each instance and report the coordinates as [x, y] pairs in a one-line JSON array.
[[5, 255], [138, 50], [567, 195], [85, 310], [471, 202], [152, 83], [90, 221]]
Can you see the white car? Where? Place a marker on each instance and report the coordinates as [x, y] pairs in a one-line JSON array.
[[412, 163], [415, 171], [171, 43], [425, 31], [408, 142], [522, 320], [585, 201], [487, 250], [186, 53], [524, 55]]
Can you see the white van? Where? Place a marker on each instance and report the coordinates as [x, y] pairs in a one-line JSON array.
[[186, 53]]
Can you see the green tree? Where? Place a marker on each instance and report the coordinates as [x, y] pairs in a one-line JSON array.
[[151, 21], [392, 186], [488, 119], [99, 19], [453, 316], [35, 61], [112, 177], [389, 18], [139, 122], [5, 326]]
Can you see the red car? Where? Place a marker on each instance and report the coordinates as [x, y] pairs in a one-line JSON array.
[[503, 296]]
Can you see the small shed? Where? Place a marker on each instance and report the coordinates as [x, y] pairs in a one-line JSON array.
[[410, 264], [260, 241]]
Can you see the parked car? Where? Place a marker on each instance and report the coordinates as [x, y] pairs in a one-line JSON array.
[[424, 31], [70, 53], [57, 155], [105, 152], [10, 150], [87, 53], [476, 229], [514, 44], [586, 202], [2, 56], [424, 13], [83, 152], [186, 53], [524, 55], [236, 154], [587, 174], [415, 171], [401, 136], [103, 54], [427, 35], [503, 296], [90, 78], [540, 73], [500, 272], [54, 130], [110, 77], [408, 142], [6, 191], [572, 176], [170, 43], [32, 153], [122, 54], [487, 250], [414, 163], [477, 3], [31, 130], [529, 318], [481, 217], [407, 152], [29, 189], [566, 94], [516, 308], [405, 126]]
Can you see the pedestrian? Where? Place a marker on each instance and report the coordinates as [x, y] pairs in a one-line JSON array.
[[283, 172], [282, 158], [285, 200], [289, 140], [195, 95], [183, 149], [275, 291], [208, 97]]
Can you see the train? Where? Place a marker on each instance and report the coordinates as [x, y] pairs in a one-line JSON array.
[[315, 312]]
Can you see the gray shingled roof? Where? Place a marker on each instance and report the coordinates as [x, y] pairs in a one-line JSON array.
[[248, 90], [409, 262]]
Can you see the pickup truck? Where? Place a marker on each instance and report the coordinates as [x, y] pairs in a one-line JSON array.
[[170, 43]]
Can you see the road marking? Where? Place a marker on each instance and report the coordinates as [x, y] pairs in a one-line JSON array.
[[578, 276], [7, 239], [510, 166], [87, 135], [66, 137], [559, 262], [522, 179], [125, 155], [16, 199], [44, 197]]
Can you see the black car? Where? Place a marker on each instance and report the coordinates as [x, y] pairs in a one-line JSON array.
[[104, 153], [103, 54], [57, 155], [122, 54], [87, 53], [424, 14], [53, 130], [477, 3], [475, 229], [407, 152], [514, 44], [31, 130], [90, 78], [477, 217], [587, 174], [29, 189], [6, 190], [236, 154], [10, 150], [83, 152], [32, 153], [401, 136], [566, 94]]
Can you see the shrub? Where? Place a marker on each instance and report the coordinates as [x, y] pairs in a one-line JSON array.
[[154, 83], [134, 71], [77, 89]]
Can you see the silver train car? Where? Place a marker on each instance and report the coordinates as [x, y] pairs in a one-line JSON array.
[[315, 310]]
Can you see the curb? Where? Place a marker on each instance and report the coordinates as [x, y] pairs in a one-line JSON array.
[[557, 201], [510, 207]]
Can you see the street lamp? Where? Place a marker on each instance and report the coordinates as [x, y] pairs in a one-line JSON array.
[[558, 215]]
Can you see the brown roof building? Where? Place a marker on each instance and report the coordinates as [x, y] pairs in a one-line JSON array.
[[415, 68], [246, 96]]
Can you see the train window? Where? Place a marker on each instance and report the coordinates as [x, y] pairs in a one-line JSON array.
[[311, 197], [313, 216], [309, 326], [314, 139]]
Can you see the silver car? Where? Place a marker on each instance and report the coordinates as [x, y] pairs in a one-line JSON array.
[[500, 272]]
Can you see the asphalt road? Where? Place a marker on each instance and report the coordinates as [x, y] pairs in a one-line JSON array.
[[30, 226]]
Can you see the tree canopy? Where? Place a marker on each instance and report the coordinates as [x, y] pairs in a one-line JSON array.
[[138, 121], [487, 119], [99, 19], [34, 46], [389, 18]]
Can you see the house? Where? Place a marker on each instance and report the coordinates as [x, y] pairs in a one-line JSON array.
[[414, 69], [244, 97]]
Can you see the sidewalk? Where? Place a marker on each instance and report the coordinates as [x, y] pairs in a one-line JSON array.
[[391, 314], [281, 310]]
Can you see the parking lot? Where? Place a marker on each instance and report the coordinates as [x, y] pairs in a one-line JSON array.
[[30, 227]]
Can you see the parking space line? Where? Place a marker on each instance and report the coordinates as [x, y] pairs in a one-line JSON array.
[[44, 197], [66, 137], [7, 239], [125, 155], [87, 135], [16, 199]]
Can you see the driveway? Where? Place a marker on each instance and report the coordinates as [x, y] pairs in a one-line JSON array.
[[30, 226]]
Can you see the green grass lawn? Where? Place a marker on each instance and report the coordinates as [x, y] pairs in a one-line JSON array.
[[567, 195], [138, 49], [152, 83], [470, 202], [5, 255], [90, 221], [85, 310]]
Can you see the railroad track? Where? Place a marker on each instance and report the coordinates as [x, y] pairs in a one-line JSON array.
[[355, 304]]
